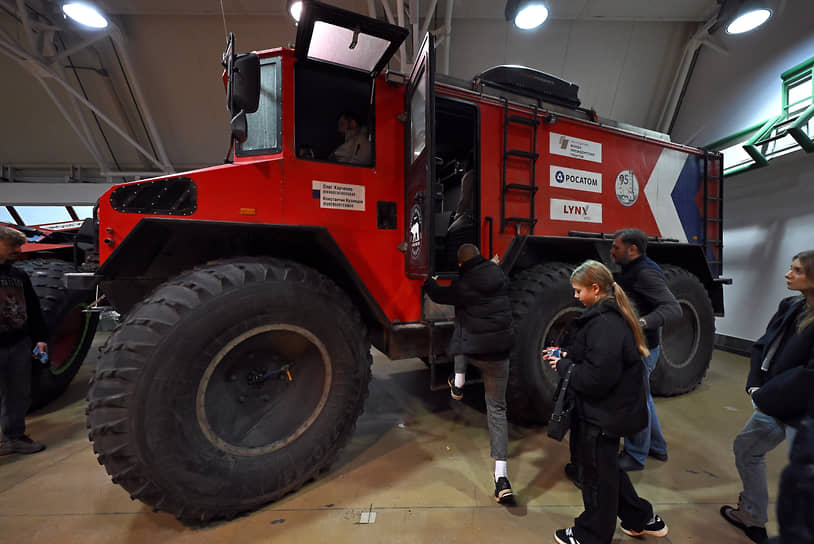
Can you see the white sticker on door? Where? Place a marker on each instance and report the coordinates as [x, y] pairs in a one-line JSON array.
[[568, 146]]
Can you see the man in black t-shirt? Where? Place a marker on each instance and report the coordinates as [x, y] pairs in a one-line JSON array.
[[21, 323]]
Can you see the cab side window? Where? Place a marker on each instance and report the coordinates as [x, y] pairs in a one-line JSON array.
[[333, 115]]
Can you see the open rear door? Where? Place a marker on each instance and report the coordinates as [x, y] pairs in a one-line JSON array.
[[419, 162], [343, 38]]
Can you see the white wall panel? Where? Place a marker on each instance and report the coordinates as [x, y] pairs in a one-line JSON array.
[[768, 212], [622, 68]]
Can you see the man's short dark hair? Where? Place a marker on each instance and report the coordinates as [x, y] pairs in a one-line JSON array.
[[467, 251], [11, 235], [633, 237]]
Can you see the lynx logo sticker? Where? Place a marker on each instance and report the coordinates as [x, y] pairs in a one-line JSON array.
[[574, 210], [416, 228], [627, 188], [577, 148]]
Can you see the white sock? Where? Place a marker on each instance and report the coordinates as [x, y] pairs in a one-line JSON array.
[[500, 470], [460, 378]]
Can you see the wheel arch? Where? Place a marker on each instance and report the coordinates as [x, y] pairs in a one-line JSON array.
[[158, 249]]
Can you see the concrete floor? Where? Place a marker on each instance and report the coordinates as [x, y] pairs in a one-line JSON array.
[[418, 459]]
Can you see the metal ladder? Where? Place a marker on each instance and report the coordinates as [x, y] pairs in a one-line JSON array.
[[713, 222], [531, 156]]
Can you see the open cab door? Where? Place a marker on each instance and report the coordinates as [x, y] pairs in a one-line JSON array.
[[419, 163], [343, 38]]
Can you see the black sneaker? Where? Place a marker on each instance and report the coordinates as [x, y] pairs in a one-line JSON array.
[[658, 456], [565, 536], [657, 527], [456, 393], [503, 490], [22, 444], [628, 463], [743, 521]]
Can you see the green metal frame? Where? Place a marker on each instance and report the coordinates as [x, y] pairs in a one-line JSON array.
[[796, 130]]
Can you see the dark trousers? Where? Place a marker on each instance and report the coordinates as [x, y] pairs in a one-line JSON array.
[[607, 492], [15, 387]]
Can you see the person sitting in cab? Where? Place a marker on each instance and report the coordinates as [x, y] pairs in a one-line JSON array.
[[356, 147]]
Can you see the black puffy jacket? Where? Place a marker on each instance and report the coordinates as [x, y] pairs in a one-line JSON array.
[[608, 378], [483, 313], [794, 512]]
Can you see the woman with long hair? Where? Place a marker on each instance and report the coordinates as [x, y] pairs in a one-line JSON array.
[[607, 380], [781, 380]]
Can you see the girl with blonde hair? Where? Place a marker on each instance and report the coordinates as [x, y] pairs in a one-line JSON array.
[[607, 381]]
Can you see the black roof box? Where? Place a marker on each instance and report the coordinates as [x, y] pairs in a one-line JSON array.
[[530, 82]]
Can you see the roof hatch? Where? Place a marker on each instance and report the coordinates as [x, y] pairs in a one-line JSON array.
[[343, 38]]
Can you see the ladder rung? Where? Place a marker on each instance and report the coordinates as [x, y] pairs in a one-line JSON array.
[[523, 120], [522, 187], [523, 154], [714, 198], [714, 219], [521, 220], [714, 241]]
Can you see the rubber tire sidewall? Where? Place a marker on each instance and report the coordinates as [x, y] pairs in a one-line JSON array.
[[669, 379], [532, 383], [56, 303]]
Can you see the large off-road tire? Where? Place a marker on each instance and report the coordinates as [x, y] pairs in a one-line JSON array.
[[70, 329], [191, 407], [686, 346], [544, 309]]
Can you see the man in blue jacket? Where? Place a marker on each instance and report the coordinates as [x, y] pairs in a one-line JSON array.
[[484, 337]]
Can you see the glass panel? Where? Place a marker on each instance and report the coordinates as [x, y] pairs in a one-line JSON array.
[[40, 215], [418, 116], [735, 157], [5, 217], [343, 46], [799, 95], [778, 147], [83, 212], [263, 125]]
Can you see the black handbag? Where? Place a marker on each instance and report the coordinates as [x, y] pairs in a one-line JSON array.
[[560, 421]]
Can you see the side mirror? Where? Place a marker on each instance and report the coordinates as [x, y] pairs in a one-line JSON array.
[[240, 128], [244, 83], [242, 79]]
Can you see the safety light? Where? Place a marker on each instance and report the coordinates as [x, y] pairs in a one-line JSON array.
[[85, 14], [747, 20], [526, 14]]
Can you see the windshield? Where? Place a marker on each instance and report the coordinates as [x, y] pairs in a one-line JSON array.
[[264, 124]]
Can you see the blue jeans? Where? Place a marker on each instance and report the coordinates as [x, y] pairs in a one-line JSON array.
[[650, 438], [760, 435]]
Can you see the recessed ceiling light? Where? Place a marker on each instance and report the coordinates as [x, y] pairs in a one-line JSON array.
[[85, 14]]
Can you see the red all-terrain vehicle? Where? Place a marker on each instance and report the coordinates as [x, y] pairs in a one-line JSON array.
[[253, 291], [49, 254]]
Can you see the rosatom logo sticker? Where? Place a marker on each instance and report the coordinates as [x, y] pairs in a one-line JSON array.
[[339, 196], [627, 188], [416, 228], [573, 210], [568, 146], [580, 180]]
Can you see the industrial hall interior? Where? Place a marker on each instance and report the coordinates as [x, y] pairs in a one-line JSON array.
[[388, 271]]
